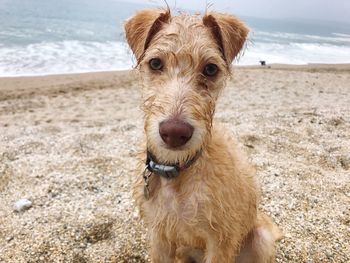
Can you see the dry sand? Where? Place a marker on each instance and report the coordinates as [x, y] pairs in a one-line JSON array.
[[67, 143]]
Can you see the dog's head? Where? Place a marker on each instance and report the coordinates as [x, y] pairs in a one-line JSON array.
[[184, 61]]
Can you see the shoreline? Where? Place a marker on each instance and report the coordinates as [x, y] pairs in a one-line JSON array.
[[27, 86], [276, 66]]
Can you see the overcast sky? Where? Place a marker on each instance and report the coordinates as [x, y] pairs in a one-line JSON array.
[[337, 10]]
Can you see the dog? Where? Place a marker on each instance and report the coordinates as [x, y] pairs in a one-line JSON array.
[[196, 192]]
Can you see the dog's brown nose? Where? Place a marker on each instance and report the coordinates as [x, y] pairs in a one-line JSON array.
[[175, 132]]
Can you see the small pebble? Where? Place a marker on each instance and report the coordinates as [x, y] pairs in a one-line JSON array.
[[8, 239], [22, 205], [345, 162]]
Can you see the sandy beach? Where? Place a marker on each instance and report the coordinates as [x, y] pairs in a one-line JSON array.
[[68, 142]]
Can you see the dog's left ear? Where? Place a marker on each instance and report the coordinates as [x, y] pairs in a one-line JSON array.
[[141, 28], [229, 32]]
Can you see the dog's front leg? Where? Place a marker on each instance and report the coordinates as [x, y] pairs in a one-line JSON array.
[[162, 251]]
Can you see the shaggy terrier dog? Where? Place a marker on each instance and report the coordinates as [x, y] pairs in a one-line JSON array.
[[196, 192]]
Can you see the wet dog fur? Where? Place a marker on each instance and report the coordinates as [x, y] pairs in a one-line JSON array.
[[209, 212]]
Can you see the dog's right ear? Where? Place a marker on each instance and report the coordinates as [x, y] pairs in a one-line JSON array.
[[141, 28]]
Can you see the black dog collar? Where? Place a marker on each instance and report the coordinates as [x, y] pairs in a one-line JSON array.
[[168, 171]]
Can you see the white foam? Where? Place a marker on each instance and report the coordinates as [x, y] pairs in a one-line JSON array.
[[339, 39], [342, 35], [64, 57], [295, 53], [79, 56]]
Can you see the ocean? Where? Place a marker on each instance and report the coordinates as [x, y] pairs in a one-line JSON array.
[[39, 37]]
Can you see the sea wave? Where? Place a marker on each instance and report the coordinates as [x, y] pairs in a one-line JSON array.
[[82, 56], [283, 37], [295, 53], [341, 35], [64, 57]]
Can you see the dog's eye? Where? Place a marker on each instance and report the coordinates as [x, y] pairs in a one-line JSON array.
[[210, 70], [155, 64]]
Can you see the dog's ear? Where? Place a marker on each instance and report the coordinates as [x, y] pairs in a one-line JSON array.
[[229, 32], [141, 27]]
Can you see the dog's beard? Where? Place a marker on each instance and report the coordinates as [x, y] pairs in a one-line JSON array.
[[169, 156], [181, 155]]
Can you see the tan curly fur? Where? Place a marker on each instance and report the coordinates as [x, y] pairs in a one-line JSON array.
[[209, 213]]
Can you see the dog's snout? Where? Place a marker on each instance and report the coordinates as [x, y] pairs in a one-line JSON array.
[[175, 132]]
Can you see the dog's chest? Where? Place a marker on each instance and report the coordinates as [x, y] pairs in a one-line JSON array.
[[178, 207], [181, 204]]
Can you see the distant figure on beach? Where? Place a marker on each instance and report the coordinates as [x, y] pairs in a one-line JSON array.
[[262, 62]]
